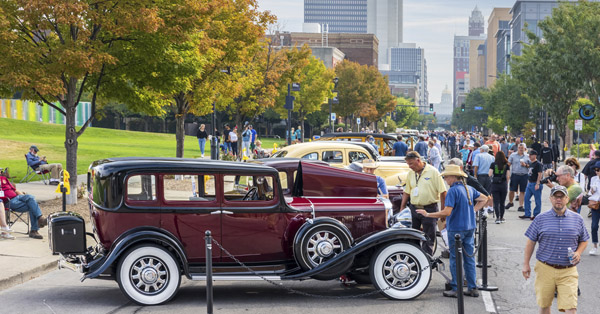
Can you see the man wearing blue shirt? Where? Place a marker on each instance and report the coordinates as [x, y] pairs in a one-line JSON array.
[[556, 231], [481, 167], [400, 148], [421, 147], [369, 166], [462, 201]]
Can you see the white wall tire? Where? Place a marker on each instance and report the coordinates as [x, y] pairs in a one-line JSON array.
[[399, 268], [148, 275]]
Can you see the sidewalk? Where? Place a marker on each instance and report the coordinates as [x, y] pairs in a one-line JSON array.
[[25, 258]]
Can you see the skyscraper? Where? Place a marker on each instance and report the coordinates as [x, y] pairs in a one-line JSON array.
[[342, 16], [408, 65], [496, 55], [384, 19], [476, 23]]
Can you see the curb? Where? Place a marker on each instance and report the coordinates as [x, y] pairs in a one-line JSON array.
[[27, 275]]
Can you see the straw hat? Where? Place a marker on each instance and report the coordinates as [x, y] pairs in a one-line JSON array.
[[453, 170], [369, 163]]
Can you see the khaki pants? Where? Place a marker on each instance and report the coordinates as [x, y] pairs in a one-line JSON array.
[[54, 169], [564, 281]]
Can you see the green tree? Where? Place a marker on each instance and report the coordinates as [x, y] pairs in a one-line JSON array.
[[549, 87], [53, 51], [406, 113], [316, 83], [589, 127], [507, 104]]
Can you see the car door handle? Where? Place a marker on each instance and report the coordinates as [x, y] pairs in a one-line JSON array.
[[218, 212]]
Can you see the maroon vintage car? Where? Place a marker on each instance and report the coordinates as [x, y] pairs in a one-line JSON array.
[[285, 219]]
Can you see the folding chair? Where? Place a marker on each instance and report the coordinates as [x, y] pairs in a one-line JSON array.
[[12, 216], [32, 173]]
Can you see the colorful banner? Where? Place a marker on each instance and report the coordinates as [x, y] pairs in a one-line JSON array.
[[32, 111]]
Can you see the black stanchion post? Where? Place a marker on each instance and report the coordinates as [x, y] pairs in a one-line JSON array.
[[482, 220], [209, 282], [63, 189], [458, 251], [484, 272]]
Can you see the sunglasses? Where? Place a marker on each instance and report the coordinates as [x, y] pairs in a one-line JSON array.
[[596, 169]]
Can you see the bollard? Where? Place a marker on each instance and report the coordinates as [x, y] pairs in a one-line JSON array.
[[484, 272], [459, 273], [209, 283], [480, 263], [63, 189]]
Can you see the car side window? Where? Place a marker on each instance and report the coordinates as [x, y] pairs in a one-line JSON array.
[[189, 187], [141, 188], [357, 156], [333, 157], [248, 188], [284, 179], [311, 156]]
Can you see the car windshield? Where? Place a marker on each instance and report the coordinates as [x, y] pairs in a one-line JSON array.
[[280, 154]]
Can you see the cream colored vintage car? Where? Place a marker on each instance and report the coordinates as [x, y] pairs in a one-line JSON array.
[[342, 154]]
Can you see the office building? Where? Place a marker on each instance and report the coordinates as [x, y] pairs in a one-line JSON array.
[[477, 72], [476, 23], [503, 49], [498, 22], [384, 19], [360, 48], [408, 66], [341, 16]]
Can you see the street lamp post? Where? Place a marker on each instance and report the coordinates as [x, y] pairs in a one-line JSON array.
[[332, 101], [214, 141], [289, 105]]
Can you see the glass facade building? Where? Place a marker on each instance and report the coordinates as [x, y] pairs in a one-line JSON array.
[[342, 16]]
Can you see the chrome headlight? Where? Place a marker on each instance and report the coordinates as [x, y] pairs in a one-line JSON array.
[[403, 219]]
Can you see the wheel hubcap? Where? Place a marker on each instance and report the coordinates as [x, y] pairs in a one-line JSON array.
[[401, 270], [322, 246], [149, 275]]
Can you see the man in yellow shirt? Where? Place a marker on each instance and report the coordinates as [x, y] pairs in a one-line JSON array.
[[424, 189]]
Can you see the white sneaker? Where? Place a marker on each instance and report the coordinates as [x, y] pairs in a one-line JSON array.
[[594, 251], [5, 235], [6, 229], [202, 155]]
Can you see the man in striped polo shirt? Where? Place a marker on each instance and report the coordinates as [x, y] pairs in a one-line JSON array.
[[556, 230]]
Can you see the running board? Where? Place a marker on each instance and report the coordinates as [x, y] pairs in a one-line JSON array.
[[236, 278]]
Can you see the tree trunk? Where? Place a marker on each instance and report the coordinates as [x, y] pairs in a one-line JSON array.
[[71, 139], [181, 107], [303, 131]]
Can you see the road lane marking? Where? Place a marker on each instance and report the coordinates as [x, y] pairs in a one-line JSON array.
[[490, 307]]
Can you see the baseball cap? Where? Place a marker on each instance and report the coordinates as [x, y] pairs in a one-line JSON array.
[[532, 152], [559, 188], [34, 148]]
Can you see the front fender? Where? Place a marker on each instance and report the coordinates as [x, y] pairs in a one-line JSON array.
[[131, 237], [388, 235]]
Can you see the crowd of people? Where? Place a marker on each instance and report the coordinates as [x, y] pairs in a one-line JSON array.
[[484, 170]]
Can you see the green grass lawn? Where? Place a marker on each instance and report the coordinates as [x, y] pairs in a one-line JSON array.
[[95, 143]]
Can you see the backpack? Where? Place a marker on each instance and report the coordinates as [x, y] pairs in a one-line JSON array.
[[502, 178]]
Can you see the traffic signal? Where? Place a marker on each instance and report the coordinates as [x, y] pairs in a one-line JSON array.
[[430, 107], [462, 107], [434, 114]]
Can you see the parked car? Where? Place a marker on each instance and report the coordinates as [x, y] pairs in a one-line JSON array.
[[340, 154], [149, 216], [384, 142]]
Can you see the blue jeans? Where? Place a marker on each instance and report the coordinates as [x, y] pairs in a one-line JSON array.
[[537, 195], [202, 143], [467, 238], [27, 203], [595, 219]]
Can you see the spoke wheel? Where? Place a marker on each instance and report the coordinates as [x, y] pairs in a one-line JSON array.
[[320, 244], [148, 275], [399, 268]]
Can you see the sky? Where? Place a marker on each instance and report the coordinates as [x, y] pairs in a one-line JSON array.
[[431, 24]]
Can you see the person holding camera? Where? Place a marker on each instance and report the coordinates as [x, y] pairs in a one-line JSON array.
[[534, 188], [564, 176], [518, 181]]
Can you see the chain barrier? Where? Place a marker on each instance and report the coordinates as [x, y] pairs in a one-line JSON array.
[[306, 294]]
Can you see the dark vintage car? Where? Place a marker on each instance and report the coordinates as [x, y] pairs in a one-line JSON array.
[[149, 217]]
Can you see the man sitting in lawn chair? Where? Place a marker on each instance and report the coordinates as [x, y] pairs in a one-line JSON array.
[[36, 163], [21, 202]]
